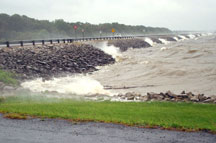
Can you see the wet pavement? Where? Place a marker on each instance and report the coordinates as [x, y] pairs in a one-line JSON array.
[[56, 131]]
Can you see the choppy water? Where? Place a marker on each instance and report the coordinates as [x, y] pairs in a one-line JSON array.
[[188, 65]]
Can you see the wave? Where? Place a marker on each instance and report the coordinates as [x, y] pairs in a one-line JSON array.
[[164, 41], [78, 85], [176, 38], [191, 36], [149, 41], [111, 50], [164, 48], [182, 37]]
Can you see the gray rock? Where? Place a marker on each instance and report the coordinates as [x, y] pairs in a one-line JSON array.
[[143, 98], [156, 96], [177, 100], [169, 94], [210, 100], [213, 97], [130, 96], [195, 98], [120, 95], [167, 99], [183, 92], [201, 97], [190, 95]]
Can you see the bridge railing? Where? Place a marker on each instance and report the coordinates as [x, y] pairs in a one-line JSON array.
[[65, 40]]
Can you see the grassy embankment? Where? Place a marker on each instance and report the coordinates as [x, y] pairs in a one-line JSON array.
[[7, 77], [183, 116]]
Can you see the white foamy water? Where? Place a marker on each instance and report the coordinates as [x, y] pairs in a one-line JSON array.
[[164, 48], [198, 35], [164, 41], [149, 41], [144, 62], [204, 34], [176, 38], [183, 37], [79, 85], [209, 34], [110, 50], [191, 36]]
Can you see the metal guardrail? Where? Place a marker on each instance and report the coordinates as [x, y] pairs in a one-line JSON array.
[[70, 40], [67, 40]]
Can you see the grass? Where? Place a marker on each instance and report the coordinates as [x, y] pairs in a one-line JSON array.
[[7, 77], [183, 116]]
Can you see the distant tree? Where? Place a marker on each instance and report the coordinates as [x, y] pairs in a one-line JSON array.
[[18, 27]]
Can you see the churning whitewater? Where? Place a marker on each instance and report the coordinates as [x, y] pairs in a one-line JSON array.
[[188, 64], [110, 50], [75, 84]]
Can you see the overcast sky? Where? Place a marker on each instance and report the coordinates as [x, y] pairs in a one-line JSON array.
[[173, 14]]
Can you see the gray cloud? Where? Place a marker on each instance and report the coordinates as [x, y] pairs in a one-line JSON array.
[[174, 14]]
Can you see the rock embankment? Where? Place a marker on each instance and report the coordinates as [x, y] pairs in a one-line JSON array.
[[168, 96], [156, 40], [46, 61], [171, 39], [124, 44]]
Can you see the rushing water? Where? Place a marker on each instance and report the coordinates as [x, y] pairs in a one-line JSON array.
[[188, 65]]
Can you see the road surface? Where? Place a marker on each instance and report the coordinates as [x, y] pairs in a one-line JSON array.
[[61, 131]]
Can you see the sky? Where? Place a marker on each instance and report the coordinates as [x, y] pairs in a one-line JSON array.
[[197, 15]]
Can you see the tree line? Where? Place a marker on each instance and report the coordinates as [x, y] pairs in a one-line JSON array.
[[17, 27]]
